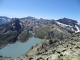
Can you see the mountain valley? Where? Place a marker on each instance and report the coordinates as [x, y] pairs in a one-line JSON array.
[[60, 38]]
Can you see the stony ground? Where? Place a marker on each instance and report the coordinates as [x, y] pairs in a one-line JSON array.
[[66, 49]]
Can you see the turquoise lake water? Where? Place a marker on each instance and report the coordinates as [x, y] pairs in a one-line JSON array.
[[17, 49]]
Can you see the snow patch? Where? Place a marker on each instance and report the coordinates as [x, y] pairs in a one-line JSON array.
[[78, 30], [8, 20], [72, 29], [63, 25], [20, 23], [69, 27]]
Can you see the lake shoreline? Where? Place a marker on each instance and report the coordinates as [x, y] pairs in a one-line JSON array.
[[18, 47], [4, 45]]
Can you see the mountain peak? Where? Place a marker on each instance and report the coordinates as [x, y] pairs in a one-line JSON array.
[[67, 21], [4, 19]]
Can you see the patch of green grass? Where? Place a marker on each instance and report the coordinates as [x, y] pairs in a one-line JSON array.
[[42, 32], [24, 36]]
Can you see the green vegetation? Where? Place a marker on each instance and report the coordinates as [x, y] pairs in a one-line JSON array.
[[9, 37], [49, 33], [55, 34], [24, 36], [42, 33]]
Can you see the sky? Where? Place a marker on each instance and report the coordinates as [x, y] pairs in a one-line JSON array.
[[47, 9]]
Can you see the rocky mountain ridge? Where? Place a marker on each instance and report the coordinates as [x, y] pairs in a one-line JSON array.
[[40, 28]]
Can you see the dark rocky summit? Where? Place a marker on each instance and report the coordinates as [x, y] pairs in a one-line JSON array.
[[68, 21]]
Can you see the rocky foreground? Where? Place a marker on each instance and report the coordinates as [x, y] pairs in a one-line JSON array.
[[65, 49]]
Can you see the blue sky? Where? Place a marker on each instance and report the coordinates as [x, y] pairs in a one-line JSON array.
[[48, 9]]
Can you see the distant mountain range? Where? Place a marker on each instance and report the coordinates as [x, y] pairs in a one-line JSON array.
[[13, 29], [4, 19], [66, 23]]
